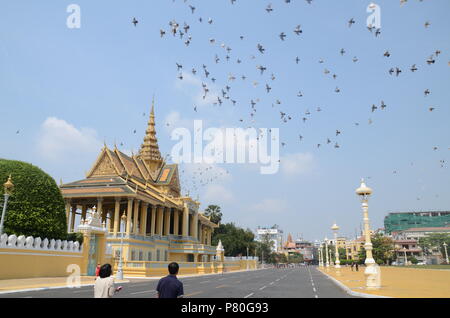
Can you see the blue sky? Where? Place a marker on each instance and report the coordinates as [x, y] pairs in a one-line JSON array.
[[69, 90]]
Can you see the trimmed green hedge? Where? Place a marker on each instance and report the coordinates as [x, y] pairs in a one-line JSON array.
[[36, 206], [346, 261]]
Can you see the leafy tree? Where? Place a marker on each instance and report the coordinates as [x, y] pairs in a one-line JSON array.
[[264, 249], [342, 254], [383, 249], [413, 260], [361, 255], [235, 240], [36, 206], [435, 242], [295, 258], [213, 211]]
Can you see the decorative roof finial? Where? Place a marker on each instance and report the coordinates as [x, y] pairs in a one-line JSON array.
[[149, 151], [152, 113]]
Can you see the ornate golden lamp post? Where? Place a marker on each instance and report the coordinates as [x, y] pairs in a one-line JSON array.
[[446, 253], [335, 228], [372, 269], [9, 186], [119, 274], [327, 264], [406, 259], [320, 255]]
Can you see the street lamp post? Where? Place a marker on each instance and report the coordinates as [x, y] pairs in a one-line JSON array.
[[262, 258], [326, 253], [119, 274], [446, 253], [331, 256], [406, 259], [8, 190], [372, 269], [335, 228], [247, 257], [320, 256]]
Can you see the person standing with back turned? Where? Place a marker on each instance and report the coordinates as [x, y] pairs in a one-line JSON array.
[[104, 284], [170, 286]]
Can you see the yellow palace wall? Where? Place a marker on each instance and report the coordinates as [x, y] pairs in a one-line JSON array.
[[157, 269], [23, 263]]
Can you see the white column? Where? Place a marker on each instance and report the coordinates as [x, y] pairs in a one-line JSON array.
[[129, 211], [185, 220], [135, 217], [116, 216]]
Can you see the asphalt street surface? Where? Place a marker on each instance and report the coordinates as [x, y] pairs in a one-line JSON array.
[[299, 282]]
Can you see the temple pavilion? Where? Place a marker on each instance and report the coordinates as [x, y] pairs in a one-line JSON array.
[[159, 224]]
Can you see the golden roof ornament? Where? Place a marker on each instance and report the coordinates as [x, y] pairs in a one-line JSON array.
[[9, 186], [149, 151]]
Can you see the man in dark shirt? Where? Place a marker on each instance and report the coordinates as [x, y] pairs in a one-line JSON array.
[[170, 286]]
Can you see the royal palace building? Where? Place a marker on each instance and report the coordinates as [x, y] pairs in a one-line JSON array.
[[139, 200]]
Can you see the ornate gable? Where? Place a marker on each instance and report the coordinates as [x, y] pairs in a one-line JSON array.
[[103, 166], [174, 184], [169, 181]]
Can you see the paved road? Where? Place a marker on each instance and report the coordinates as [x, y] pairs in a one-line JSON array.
[[302, 282]]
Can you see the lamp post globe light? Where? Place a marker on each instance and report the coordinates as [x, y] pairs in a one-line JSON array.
[[119, 274], [326, 253], [335, 228], [8, 186], [372, 271], [446, 253]]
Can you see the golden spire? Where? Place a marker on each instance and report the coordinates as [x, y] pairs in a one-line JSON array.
[[289, 238], [149, 151]]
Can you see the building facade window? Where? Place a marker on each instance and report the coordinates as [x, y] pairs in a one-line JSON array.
[[158, 255], [149, 256]]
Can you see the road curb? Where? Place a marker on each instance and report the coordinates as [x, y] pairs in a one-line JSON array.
[[349, 290]]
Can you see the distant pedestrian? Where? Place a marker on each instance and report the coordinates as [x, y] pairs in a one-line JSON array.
[[353, 265], [170, 286], [356, 264], [104, 284]]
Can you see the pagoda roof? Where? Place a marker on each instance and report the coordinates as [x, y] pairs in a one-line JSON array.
[[144, 176]]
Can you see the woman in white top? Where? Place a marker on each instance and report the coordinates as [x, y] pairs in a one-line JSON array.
[[104, 284]]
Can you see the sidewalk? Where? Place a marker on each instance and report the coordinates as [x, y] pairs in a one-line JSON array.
[[397, 282], [24, 284]]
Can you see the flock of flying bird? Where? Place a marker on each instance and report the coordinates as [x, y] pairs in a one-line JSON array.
[[183, 32]]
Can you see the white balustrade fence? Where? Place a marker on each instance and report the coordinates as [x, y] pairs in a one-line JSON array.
[[22, 242]]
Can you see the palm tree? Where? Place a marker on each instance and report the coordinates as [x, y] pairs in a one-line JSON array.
[[213, 211]]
